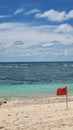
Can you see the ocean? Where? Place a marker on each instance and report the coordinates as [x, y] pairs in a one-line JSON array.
[[21, 79]]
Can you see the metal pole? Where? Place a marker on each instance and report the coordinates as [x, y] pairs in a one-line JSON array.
[[67, 101]]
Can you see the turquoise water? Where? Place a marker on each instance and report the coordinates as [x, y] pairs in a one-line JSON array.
[[32, 89], [33, 79]]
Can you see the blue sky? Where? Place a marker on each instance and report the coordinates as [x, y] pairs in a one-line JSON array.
[[36, 30]]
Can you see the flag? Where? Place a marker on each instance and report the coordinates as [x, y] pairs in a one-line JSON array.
[[62, 91]]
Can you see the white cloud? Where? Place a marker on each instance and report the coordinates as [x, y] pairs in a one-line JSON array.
[[23, 40], [57, 16], [31, 35], [5, 16], [68, 52], [70, 14], [33, 11], [52, 15], [6, 26], [19, 11], [64, 28]]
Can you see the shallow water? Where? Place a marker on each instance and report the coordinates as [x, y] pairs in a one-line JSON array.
[[41, 78]]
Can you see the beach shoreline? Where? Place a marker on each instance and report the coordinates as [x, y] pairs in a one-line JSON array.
[[37, 114]]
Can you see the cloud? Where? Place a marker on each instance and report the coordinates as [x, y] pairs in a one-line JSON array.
[[68, 52], [33, 11], [55, 16], [6, 26], [31, 35], [18, 43], [24, 41], [19, 11], [5, 16], [70, 14], [48, 52], [64, 28]]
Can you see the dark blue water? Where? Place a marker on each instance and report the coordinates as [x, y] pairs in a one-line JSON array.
[[35, 77]]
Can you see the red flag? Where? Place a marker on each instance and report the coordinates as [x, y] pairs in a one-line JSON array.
[[62, 91]]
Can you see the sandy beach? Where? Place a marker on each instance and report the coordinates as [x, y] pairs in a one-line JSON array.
[[37, 114]]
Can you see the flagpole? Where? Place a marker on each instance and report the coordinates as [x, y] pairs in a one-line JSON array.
[[67, 100]]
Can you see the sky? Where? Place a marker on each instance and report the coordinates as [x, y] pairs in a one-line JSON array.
[[36, 30]]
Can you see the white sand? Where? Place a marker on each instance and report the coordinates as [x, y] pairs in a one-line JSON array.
[[37, 114]]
